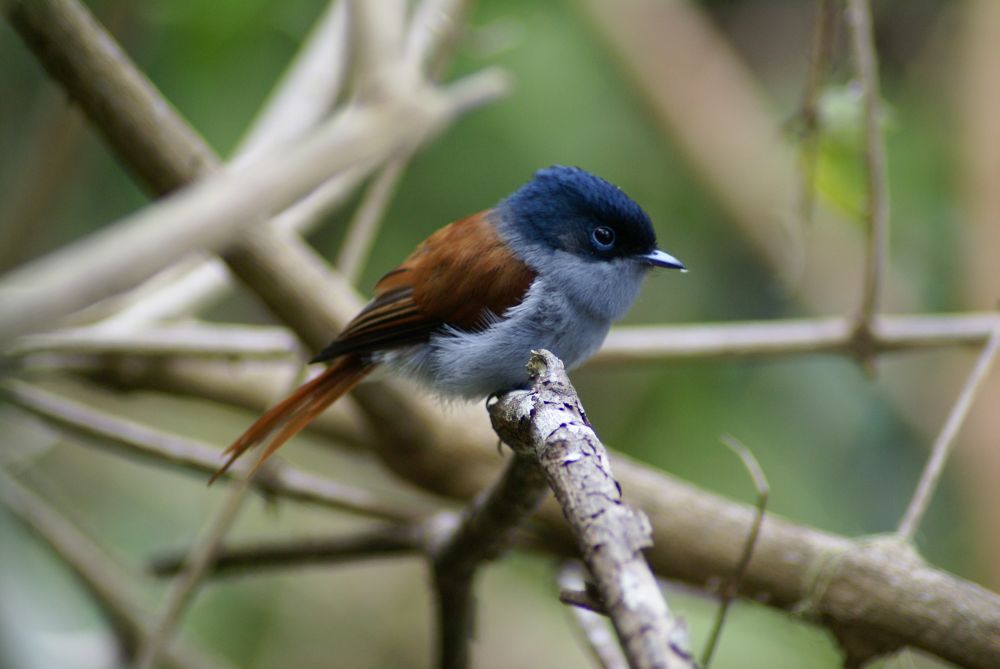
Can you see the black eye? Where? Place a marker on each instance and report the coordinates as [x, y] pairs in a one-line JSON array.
[[603, 238]]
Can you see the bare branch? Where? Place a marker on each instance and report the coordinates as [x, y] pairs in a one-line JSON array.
[[193, 339], [479, 535], [186, 584], [792, 336], [364, 226], [190, 455], [379, 542], [732, 586], [307, 89], [625, 345], [703, 540], [915, 605], [207, 214], [305, 93], [549, 423], [105, 581], [946, 438], [189, 287], [859, 22], [594, 626]]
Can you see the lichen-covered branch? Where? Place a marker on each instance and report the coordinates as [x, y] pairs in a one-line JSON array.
[[549, 423]]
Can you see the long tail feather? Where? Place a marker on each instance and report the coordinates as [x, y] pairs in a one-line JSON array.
[[296, 411]]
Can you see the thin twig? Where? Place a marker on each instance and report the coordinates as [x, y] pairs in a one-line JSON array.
[[946, 438], [185, 585], [598, 636], [108, 583], [732, 585], [191, 455], [307, 89], [188, 339], [480, 534], [435, 28], [363, 228], [185, 288], [809, 113], [392, 540], [859, 21], [582, 599]]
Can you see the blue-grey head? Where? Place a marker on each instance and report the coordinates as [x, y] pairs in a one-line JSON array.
[[571, 210]]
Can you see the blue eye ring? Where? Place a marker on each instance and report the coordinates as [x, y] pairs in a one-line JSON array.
[[603, 238]]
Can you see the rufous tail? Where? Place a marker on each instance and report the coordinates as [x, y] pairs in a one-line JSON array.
[[295, 412]]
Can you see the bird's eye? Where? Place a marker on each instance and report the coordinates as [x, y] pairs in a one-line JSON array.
[[603, 238]]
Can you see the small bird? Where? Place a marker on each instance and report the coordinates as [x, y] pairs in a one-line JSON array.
[[551, 266]]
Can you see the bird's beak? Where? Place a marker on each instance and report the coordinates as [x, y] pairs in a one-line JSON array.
[[659, 258]]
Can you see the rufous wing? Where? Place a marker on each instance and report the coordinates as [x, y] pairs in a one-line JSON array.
[[458, 277]]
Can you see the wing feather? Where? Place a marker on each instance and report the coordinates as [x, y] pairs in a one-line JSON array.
[[458, 277]]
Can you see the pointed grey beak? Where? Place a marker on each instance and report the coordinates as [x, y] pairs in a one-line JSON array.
[[659, 258]]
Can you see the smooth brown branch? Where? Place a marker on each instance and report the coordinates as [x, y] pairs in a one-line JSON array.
[[549, 424], [107, 583], [479, 534], [859, 22]]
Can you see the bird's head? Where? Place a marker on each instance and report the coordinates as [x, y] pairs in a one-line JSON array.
[[567, 209]]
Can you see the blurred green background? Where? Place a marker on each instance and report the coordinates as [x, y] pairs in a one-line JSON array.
[[837, 454]]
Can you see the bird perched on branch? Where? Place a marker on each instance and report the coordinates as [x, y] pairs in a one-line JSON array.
[[551, 266]]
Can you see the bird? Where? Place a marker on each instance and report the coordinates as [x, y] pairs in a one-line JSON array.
[[551, 266]]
